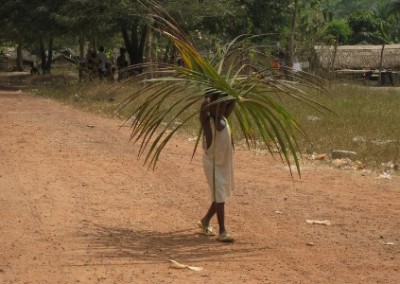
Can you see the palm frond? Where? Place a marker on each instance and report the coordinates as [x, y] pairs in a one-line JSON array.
[[170, 95]]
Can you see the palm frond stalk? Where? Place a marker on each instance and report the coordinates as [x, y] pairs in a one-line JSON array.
[[171, 95]]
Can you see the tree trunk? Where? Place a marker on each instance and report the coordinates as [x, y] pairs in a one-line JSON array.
[[134, 43], [290, 40], [142, 42], [20, 59], [331, 69], [81, 54], [81, 46], [290, 43], [50, 54], [46, 59], [381, 65], [127, 41], [42, 52], [149, 39]]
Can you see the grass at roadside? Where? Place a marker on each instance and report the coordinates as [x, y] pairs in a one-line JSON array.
[[364, 119]]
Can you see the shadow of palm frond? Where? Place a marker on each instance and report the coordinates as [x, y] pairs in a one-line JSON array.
[[145, 246]]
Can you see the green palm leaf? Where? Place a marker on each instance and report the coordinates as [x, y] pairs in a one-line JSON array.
[[170, 96]]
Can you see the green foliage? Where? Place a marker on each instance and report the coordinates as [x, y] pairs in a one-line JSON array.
[[344, 8], [15, 18], [365, 17], [97, 21], [389, 22], [338, 29], [209, 24], [364, 26], [267, 16]]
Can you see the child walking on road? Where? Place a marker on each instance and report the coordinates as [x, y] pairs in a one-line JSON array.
[[217, 161]]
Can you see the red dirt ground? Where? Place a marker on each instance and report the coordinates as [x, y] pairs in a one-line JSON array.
[[78, 207]]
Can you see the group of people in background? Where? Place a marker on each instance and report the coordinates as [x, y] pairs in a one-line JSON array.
[[98, 63]]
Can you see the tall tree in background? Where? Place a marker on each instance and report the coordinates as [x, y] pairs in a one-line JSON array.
[[337, 31], [45, 17], [17, 24], [291, 35], [344, 8], [382, 12], [88, 21], [132, 26], [134, 32], [194, 15], [303, 30], [364, 26], [295, 25], [395, 11], [210, 23], [312, 21]]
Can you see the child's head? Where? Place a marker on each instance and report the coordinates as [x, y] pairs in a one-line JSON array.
[[217, 110]]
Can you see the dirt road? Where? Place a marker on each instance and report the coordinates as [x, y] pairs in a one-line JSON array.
[[77, 207]]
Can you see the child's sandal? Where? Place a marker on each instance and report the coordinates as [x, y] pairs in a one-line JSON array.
[[224, 237], [207, 231]]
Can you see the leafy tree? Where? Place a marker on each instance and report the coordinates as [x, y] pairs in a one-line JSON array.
[[88, 20], [338, 30], [267, 17], [304, 30], [195, 15], [395, 6], [383, 14], [210, 23], [364, 26], [16, 20], [388, 22], [344, 8], [394, 12], [34, 25], [47, 27], [310, 31], [328, 8]]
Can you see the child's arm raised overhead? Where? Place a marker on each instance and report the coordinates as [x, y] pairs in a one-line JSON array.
[[205, 122]]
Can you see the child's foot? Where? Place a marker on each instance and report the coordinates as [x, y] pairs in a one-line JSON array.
[[205, 230], [224, 237]]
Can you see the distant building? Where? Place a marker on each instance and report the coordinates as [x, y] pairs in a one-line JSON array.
[[358, 57], [359, 62]]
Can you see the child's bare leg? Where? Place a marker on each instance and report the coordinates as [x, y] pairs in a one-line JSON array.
[[223, 234], [210, 213], [220, 209]]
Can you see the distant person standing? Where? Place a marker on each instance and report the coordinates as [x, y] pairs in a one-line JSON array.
[[103, 61], [92, 63]]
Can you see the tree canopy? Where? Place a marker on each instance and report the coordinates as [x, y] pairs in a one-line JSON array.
[[292, 27]]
